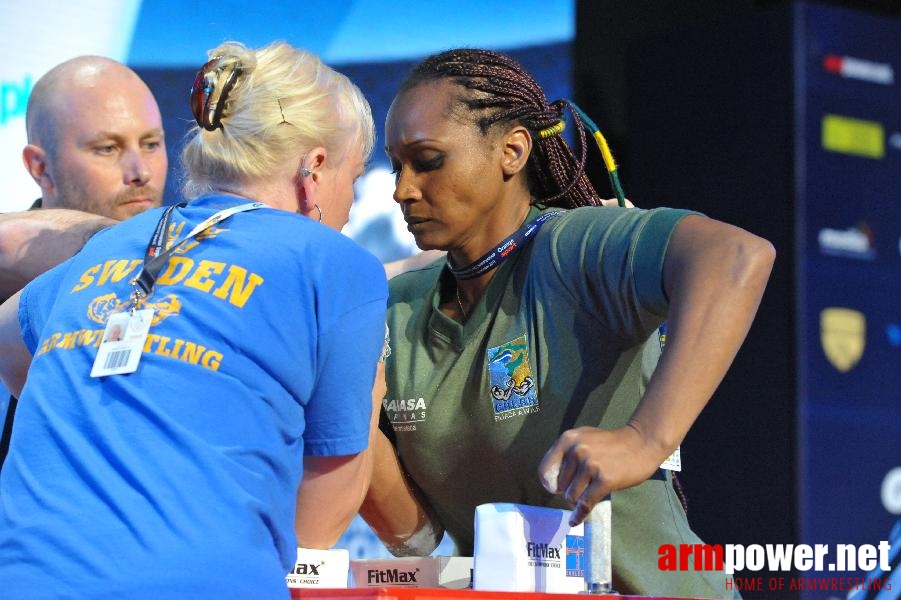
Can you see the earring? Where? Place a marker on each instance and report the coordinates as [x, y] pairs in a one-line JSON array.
[[304, 171], [320, 212]]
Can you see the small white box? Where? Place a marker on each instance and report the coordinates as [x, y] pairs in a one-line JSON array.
[[453, 572], [319, 569], [520, 548]]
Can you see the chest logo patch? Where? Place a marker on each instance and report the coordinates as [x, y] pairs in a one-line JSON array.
[[512, 382], [101, 308]]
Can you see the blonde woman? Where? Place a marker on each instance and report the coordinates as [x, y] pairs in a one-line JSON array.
[[169, 464]]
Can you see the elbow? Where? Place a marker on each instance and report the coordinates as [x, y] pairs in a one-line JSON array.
[[753, 260], [411, 531], [323, 538], [420, 543]]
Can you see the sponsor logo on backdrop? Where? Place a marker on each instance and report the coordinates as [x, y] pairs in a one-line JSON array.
[[893, 334], [894, 141], [850, 67], [843, 336], [14, 98], [852, 136], [855, 242], [890, 493]]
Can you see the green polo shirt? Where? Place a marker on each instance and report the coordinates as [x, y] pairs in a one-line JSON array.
[[564, 336]]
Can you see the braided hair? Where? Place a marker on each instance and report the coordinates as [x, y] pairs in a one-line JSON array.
[[498, 90]]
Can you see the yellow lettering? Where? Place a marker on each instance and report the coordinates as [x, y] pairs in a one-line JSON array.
[[161, 349], [90, 336], [201, 277], [235, 283], [150, 339], [211, 360], [175, 230], [54, 339], [158, 344], [169, 276], [184, 248], [87, 278], [192, 353], [68, 341], [116, 270], [46, 346]]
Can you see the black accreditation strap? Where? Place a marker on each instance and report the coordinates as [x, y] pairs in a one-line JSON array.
[[7, 428], [158, 253], [509, 246]]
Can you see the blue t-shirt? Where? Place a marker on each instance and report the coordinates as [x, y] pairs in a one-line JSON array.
[[179, 480]]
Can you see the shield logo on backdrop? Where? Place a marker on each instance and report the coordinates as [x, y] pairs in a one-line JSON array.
[[843, 335]]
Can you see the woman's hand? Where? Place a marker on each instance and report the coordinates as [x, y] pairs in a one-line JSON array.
[[587, 464]]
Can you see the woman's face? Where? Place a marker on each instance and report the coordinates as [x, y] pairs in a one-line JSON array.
[[337, 192], [448, 174]]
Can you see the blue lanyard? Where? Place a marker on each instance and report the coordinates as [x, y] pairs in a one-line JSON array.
[[504, 250], [157, 254]]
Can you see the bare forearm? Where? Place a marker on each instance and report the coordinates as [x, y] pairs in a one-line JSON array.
[[334, 487], [14, 356], [394, 507], [329, 497], [715, 275], [35, 241]]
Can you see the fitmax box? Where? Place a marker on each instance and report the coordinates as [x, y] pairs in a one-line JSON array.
[[453, 572], [520, 548], [319, 569]]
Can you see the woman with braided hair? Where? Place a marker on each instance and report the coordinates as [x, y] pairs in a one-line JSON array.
[[525, 366]]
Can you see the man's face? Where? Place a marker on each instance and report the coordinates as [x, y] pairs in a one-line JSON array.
[[110, 157]]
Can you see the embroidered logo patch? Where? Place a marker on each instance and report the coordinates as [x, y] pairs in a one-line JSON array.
[[101, 308], [512, 384]]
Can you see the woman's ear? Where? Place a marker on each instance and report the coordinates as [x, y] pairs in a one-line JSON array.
[[309, 178], [517, 147]]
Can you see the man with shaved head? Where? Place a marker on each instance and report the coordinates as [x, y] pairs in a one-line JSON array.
[[95, 148], [95, 139], [95, 145]]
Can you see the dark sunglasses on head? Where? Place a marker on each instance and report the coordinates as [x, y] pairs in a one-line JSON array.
[[207, 97]]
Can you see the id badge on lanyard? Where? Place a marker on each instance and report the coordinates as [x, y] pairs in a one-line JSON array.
[[123, 342], [126, 333]]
